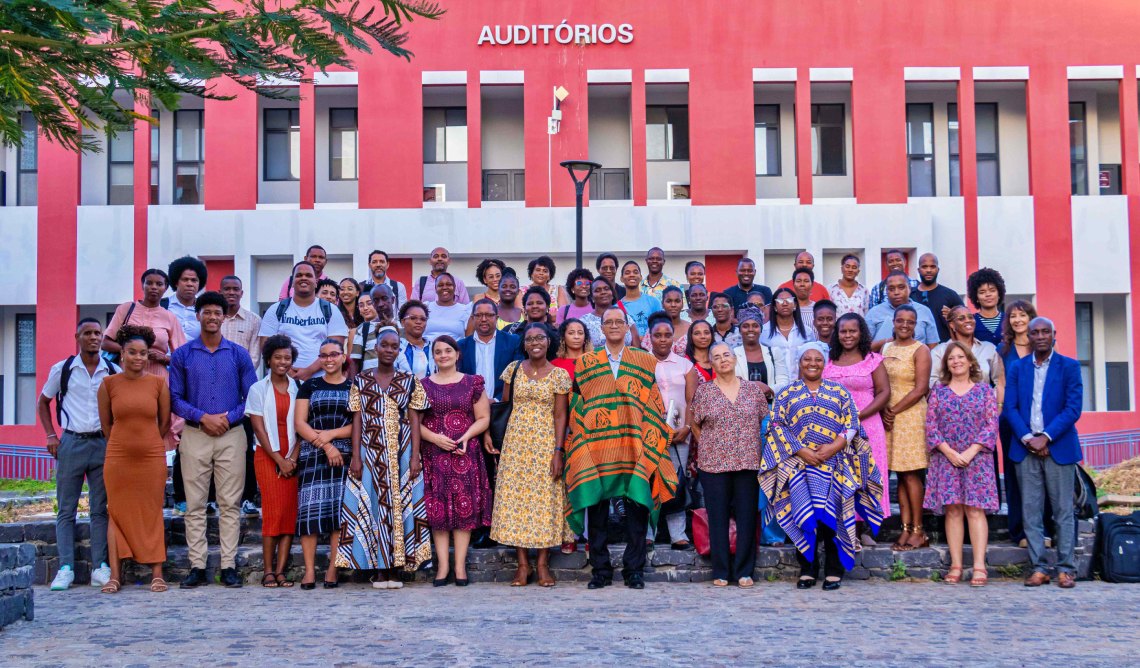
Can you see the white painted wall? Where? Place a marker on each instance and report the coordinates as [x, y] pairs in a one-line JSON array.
[[1100, 244], [824, 187], [609, 125], [502, 119]]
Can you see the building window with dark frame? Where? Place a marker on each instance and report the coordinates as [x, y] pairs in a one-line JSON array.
[[27, 161], [446, 134], [281, 145], [121, 167], [26, 395], [1078, 149], [828, 140], [767, 133], [504, 185], [155, 143], [986, 135], [609, 183], [920, 149], [1085, 352], [666, 132], [189, 156], [343, 144]]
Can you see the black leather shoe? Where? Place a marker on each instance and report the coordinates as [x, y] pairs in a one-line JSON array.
[[805, 583], [230, 578], [831, 585], [196, 578], [635, 581], [599, 581]]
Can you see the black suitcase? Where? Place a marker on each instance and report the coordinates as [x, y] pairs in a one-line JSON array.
[[1118, 547]]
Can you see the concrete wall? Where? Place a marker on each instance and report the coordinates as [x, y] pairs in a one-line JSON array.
[[609, 127], [503, 128]]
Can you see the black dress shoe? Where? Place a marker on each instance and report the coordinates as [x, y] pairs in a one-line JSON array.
[[599, 581], [330, 585], [196, 578], [441, 582], [460, 582], [308, 586], [683, 547], [805, 583], [230, 578], [635, 581], [831, 585]]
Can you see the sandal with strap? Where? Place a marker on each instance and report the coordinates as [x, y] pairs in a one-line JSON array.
[[269, 581], [158, 585], [953, 576], [720, 582], [545, 578], [918, 531], [112, 587], [900, 544], [980, 578], [522, 577], [283, 581]]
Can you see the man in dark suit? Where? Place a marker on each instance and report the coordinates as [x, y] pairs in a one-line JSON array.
[[487, 353], [1043, 399]]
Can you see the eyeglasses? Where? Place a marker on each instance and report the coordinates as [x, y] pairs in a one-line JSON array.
[[416, 318], [582, 281], [534, 339], [613, 323], [785, 300], [329, 356], [484, 315]]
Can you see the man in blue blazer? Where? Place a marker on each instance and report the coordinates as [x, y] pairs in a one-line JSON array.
[[1043, 399], [487, 353]]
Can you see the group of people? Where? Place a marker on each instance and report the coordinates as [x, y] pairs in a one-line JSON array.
[[407, 425]]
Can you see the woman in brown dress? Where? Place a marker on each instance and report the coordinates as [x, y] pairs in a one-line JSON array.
[[134, 407]]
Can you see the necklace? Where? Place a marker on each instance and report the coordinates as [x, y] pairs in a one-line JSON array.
[[533, 372]]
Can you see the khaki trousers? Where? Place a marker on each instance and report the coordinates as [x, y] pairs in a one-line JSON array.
[[223, 459]]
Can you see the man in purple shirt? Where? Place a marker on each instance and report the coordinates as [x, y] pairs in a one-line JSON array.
[[209, 378], [424, 289]]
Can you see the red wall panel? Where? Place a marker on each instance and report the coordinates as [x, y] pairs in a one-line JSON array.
[[231, 131]]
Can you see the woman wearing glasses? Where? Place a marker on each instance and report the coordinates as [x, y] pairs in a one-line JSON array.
[[578, 287], [786, 330], [324, 422]]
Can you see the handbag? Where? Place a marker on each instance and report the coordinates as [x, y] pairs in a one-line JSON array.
[[501, 414]]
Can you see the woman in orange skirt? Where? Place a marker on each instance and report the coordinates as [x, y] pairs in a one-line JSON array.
[[269, 405], [134, 407]]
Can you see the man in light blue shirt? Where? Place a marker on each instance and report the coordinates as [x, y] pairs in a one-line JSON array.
[[881, 318]]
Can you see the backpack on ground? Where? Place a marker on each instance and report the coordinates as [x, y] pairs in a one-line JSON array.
[[283, 306], [1084, 496], [65, 378], [1118, 547]]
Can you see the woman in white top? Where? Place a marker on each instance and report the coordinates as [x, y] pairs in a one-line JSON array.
[[446, 315], [755, 361], [786, 331], [269, 405]]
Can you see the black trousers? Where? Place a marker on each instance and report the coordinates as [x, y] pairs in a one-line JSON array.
[[249, 493], [733, 493], [636, 526], [833, 567]]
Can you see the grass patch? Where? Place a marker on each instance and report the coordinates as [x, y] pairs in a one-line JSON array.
[[898, 571], [27, 486]]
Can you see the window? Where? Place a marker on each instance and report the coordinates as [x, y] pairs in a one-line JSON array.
[[189, 156], [1085, 352], [281, 145], [609, 183], [920, 149], [121, 167], [666, 133], [986, 129], [767, 117], [828, 140], [678, 191], [1078, 150], [435, 192], [1116, 381], [503, 185], [343, 145], [26, 368], [447, 134], [27, 162], [154, 147]]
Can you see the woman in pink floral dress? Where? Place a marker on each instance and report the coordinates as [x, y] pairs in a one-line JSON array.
[[861, 371]]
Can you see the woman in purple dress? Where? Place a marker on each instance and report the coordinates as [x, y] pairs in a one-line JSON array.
[[861, 371], [457, 493], [961, 432]]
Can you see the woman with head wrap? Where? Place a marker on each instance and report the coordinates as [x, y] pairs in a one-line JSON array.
[[754, 360], [817, 470]]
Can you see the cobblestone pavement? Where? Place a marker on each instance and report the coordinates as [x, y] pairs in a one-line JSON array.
[[865, 623]]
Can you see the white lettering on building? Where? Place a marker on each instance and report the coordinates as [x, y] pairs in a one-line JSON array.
[[561, 33]]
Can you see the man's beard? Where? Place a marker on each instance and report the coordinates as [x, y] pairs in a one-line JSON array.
[[933, 280]]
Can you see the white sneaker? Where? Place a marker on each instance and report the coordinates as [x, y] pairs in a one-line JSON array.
[[63, 579], [101, 576], [249, 508]]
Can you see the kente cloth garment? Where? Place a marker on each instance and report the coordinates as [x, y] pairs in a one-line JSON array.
[[619, 440], [385, 520], [800, 496]]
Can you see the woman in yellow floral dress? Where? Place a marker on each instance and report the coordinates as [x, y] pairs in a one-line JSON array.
[[529, 494], [908, 368]]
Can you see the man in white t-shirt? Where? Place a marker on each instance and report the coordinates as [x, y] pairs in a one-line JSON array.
[[306, 320]]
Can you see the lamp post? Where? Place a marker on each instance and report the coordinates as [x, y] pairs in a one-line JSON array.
[[575, 167]]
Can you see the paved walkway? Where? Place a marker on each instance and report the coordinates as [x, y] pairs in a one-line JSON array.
[[865, 623]]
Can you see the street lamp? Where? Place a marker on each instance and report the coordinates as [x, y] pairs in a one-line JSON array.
[[575, 167]]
